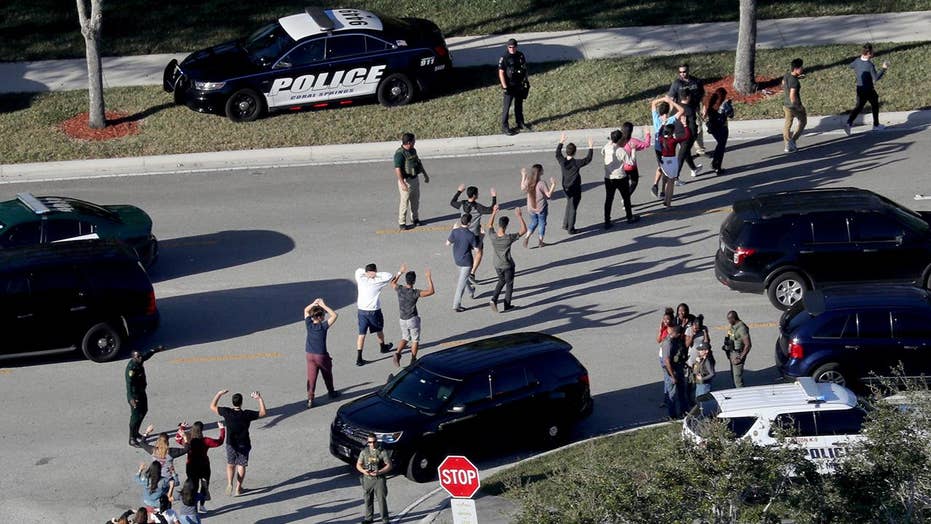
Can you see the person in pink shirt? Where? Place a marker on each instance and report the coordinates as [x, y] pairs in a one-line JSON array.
[[538, 194]]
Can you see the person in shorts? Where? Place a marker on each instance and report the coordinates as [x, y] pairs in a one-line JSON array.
[[238, 443], [407, 303], [369, 283]]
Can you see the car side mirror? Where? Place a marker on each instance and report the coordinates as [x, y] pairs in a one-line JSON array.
[[281, 65], [459, 408], [900, 239]]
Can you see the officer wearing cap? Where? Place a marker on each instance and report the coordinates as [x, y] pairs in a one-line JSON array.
[[135, 392], [512, 74]]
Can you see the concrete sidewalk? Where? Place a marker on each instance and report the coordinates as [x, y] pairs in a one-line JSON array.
[[63, 75]]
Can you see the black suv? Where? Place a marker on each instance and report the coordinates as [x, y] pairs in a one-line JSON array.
[[787, 243], [90, 294], [471, 398], [847, 334]]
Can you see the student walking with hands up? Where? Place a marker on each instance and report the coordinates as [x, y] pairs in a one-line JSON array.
[[538, 195]]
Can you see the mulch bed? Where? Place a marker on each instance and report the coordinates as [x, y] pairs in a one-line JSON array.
[[766, 87], [119, 124]]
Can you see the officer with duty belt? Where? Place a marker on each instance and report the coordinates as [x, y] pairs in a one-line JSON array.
[[374, 464], [135, 392], [512, 74]]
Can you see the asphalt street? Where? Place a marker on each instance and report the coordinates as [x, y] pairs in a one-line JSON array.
[[244, 251]]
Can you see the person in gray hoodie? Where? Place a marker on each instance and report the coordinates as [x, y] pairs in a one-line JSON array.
[[867, 76]]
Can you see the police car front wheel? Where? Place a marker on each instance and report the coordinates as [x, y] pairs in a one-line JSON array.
[[244, 105], [395, 90]]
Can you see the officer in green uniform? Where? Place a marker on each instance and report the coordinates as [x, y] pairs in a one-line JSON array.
[[374, 464], [737, 346], [135, 392]]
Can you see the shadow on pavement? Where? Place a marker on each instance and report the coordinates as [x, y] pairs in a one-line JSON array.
[[185, 256], [220, 315]]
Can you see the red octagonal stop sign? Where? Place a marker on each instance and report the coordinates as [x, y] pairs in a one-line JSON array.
[[459, 477]]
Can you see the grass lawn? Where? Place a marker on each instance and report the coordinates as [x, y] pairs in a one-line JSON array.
[[614, 91], [45, 29], [637, 450]]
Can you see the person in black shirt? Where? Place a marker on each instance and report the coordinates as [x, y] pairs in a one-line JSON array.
[[512, 74], [407, 303], [238, 443], [686, 83], [571, 179], [501, 242], [471, 206]]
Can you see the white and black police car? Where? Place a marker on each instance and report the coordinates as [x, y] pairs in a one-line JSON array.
[[318, 58], [822, 418]]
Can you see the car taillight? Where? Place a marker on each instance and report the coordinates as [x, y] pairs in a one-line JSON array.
[[150, 308], [796, 350], [742, 253], [441, 51], [584, 379]]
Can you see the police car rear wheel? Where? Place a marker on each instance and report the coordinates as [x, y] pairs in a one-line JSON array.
[[830, 373], [244, 105], [395, 90], [102, 342]]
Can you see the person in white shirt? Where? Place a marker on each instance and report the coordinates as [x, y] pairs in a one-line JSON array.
[[369, 283]]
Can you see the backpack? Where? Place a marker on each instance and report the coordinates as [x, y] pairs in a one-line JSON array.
[[614, 168], [468, 208], [412, 164]]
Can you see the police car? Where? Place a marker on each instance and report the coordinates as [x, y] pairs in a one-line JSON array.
[[318, 58], [823, 417]]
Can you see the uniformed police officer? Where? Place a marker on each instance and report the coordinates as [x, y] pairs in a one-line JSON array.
[[135, 392], [374, 464], [512, 74]]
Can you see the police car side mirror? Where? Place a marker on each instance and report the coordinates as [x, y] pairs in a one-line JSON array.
[[281, 65]]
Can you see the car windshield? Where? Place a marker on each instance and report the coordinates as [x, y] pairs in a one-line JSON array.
[[268, 43], [913, 219], [420, 389], [794, 317]]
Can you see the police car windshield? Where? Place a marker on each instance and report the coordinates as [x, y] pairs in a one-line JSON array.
[[268, 43], [420, 389]]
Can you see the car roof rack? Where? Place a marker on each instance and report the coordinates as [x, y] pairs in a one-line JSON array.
[[318, 15], [811, 390], [33, 203]]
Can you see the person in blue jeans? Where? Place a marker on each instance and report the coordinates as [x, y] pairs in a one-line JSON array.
[[673, 357], [703, 370], [538, 195]]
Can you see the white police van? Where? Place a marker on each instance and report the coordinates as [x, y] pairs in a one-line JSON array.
[[318, 58], [824, 418]]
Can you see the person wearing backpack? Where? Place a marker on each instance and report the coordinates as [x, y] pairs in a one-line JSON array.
[[617, 177], [718, 109], [571, 179], [470, 206]]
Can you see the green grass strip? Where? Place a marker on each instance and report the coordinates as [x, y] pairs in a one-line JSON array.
[[564, 96]]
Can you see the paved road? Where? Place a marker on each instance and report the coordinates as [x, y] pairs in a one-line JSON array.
[[243, 252]]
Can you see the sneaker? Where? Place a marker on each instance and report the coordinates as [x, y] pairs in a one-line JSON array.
[[679, 182], [700, 151], [526, 126], [541, 243], [508, 307], [697, 170], [386, 348], [417, 222], [879, 127], [201, 508], [459, 309], [608, 224], [472, 279], [793, 145], [847, 128], [403, 227], [310, 404], [573, 231], [493, 306], [654, 190], [633, 219], [360, 362], [413, 360], [662, 194], [472, 292], [334, 394], [509, 132], [526, 240]]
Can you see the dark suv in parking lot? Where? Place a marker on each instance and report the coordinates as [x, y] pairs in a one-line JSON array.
[[472, 398], [788, 243], [844, 334], [89, 294]]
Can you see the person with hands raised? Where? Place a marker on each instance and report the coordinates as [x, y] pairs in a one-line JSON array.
[[538, 194], [239, 444], [409, 316], [318, 318], [470, 206], [572, 179]]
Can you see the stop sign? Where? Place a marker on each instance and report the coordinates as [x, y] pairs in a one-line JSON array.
[[458, 477]]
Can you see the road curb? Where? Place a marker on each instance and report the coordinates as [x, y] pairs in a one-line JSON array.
[[383, 151]]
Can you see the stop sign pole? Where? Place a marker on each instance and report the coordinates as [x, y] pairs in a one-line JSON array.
[[459, 477]]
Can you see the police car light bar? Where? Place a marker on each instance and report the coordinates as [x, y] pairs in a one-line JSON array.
[[33, 203], [319, 17], [810, 389]]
